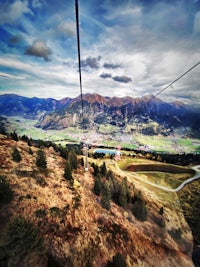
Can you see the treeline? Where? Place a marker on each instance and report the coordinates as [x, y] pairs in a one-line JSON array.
[[109, 188], [178, 159], [69, 153]]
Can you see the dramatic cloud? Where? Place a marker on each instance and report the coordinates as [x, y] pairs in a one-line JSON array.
[[39, 49], [111, 66], [106, 75], [122, 79], [156, 41], [91, 62]]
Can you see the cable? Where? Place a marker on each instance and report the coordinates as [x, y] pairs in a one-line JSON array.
[[194, 66], [79, 54]]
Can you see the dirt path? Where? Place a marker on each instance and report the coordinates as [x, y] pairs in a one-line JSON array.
[[135, 175]]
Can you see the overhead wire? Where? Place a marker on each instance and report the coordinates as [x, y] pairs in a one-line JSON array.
[[79, 55], [181, 76]]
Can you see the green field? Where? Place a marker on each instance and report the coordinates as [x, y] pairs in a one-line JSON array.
[[107, 135]]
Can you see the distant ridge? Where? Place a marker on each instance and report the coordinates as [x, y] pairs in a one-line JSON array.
[[118, 111]]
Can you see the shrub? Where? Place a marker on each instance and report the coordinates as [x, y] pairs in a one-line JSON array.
[[6, 193], [16, 155], [41, 159], [40, 213], [55, 211]]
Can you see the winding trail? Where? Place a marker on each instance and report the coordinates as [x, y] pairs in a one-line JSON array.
[[135, 175]]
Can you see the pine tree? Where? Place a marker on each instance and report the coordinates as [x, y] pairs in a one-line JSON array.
[[161, 211], [68, 172], [41, 159], [16, 155], [97, 185], [106, 197], [73, 159], [14, 136], [103, 169]]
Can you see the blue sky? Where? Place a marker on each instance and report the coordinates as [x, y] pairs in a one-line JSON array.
[[128, 47]]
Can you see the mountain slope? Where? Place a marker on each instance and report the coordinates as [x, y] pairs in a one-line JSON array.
[[59, 114], [120, 112], [15, 105], [76, 229]]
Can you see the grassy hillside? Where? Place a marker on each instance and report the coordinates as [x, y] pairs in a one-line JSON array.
[[54, 217]]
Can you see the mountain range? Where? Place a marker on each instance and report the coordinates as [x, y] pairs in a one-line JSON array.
[[94, 109]]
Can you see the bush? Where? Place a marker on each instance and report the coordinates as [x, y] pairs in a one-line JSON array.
[[40, 213], [6, 193], [41, 159], [16, 155]]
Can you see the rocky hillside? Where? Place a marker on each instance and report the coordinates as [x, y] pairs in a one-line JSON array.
[[46, 220], [121, 112], [67, 112]]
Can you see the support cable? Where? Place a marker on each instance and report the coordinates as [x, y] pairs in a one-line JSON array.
[[79, 55], [166, 87], [80, 77]]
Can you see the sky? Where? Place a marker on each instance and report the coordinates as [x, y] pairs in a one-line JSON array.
[[128, 48]]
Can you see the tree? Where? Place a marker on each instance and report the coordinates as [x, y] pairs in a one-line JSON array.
[[97, 185], [161, 211], [103, 169], [106, 197], [16, 155], [82, 162], [41, 159], [139, 210], [68, 172], [96, 169], [73, 159], [14, 136]]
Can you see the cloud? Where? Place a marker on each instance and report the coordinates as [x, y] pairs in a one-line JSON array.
[[196, 27], [106, 75], [91, 62], [111, 66], [13, 12], [39, 49], [37, 4], [122, 79], [67, 28], [15, 39]]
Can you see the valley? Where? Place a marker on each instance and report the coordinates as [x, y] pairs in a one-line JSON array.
[[106, 135], [147, 227], [153, 205]]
